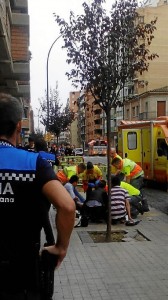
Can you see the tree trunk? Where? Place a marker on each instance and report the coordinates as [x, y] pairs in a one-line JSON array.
[[108, 232]]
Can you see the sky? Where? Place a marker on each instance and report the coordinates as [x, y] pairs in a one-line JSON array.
[[43, 31]]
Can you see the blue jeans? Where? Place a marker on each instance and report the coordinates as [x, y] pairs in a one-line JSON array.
[[82, 200]]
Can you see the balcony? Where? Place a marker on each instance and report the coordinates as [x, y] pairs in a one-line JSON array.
[[20, 19], [96, 107], [11, 72], [20, 4], [97, 126], [143, 116], [96, 117], [148, 115], [21, 70], [129, 84], [5, 34]]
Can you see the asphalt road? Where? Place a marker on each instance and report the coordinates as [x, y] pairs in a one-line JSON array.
[[96, 159], [156, 197]]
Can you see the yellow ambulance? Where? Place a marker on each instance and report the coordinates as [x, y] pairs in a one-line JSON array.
[[146, 143]]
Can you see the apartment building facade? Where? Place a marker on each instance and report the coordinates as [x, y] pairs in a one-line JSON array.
[[15, 55], [149, 98]]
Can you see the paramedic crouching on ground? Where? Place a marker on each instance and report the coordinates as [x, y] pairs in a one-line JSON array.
[[25, 181]]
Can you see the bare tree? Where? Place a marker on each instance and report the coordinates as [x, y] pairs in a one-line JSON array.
[[59, 117], [106, 50]]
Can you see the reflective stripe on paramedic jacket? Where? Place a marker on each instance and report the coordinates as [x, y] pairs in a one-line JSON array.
[[130, 168]]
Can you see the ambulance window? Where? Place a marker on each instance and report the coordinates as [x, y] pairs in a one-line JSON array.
[[132, 140], [162, 148]]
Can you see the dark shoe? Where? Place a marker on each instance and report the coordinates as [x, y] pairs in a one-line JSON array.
[[146, 209], [84, 221], [140, 209]]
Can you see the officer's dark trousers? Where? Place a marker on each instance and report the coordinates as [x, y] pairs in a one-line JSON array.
[[19, 296]]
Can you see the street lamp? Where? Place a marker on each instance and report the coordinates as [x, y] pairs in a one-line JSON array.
[[48, 104]]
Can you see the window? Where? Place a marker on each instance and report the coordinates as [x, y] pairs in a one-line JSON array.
[[137, 110], [133, 111], [141, 19], [25, 112], [162, 148], [146, 106], [132, 140], [127, 113]]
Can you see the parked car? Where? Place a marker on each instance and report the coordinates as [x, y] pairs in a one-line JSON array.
[[78, 151]]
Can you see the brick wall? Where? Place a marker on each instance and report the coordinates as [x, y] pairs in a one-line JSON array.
[[19, 43]]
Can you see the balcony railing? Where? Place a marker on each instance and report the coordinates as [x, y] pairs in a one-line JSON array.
[[148, 115]]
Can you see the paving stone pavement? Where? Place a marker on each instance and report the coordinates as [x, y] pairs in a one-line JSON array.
[[132, 270]]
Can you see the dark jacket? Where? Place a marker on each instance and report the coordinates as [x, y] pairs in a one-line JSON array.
[[98, 194]]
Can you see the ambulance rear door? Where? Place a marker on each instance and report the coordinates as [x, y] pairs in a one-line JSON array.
[[147, 153], [132, 145], [160, 156]]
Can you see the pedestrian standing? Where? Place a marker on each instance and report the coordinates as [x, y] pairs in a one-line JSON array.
[[26, 179], [30, 145]]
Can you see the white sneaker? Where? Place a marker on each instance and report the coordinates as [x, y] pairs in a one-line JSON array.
[[77, 222]]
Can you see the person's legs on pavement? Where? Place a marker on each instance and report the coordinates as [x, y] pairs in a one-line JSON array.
[[77, 194], [136, 202]]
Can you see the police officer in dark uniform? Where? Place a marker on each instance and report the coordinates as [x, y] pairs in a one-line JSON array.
[[41, 147], [25, 179]]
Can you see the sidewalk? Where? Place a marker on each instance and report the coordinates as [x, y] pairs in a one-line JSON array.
[[130, 270]]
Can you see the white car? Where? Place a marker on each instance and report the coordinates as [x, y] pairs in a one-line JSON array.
[[78, 151]]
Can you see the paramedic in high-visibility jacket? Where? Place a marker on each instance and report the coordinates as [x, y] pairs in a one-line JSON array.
[[132, 172], [26, 180], [90, 176]]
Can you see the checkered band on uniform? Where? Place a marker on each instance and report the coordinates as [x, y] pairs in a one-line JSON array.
[[17, 177]]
